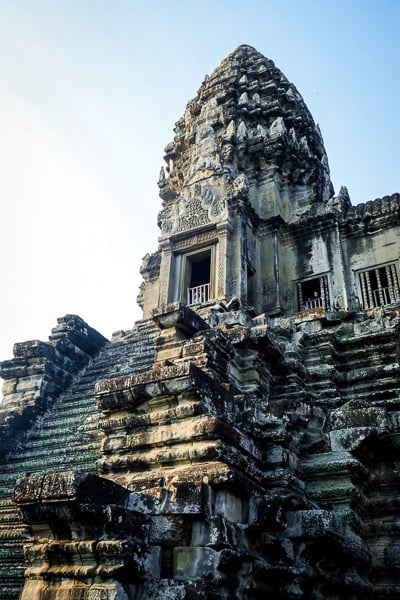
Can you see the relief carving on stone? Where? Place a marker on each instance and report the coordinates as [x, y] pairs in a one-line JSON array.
[[211, 199], [200, 238], [200, 206], [240, 187], [194, 216]]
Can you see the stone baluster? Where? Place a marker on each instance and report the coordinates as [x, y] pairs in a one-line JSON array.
[[395, 282], [369, 290], [380, 291]]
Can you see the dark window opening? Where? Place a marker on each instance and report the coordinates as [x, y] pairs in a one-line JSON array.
[[198, 277], [313, 293], [251, 296], [200, 271], [167, 563], [380, 286]]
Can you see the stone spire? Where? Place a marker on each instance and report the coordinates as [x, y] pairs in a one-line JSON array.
[[246, 121], [246, 154]]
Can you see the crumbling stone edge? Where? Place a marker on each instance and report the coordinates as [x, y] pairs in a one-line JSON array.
[[40, 372]]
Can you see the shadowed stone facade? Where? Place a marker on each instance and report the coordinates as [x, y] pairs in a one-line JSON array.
[[242, 440]]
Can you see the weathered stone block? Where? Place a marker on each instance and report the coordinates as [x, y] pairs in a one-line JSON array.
[[351, 438], [155, 590], [172, 530], [194, 562], [367, 416], [212, 532], [29, 384], [179, 316], [230, 507], [9, 387]]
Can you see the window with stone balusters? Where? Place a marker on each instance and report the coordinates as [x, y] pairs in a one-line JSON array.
[[313, 293], [379, 286]]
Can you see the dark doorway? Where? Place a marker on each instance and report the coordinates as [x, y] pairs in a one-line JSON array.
[[198, 277], [199, 271]]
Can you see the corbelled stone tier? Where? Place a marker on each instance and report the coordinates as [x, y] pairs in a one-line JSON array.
[[248, 457], [89, 522]]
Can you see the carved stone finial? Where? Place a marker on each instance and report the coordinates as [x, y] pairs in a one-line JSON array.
[[241, 186], [161, 178]]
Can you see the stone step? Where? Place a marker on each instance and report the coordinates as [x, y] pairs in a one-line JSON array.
[[64, 438], [61, 463]]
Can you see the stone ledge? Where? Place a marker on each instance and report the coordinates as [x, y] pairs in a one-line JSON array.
[[181, 317], [121, 392], [128, 382], [68, 486]]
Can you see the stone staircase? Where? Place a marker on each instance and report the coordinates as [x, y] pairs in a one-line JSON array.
[[65, 437], [368, 369]]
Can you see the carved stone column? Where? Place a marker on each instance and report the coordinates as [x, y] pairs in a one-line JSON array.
[[222, 281], [165, 272]]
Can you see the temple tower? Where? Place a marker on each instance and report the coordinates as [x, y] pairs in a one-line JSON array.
[[247, 160], [243, 439]]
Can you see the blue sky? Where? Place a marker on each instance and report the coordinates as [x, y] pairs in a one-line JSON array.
[[90, 92]]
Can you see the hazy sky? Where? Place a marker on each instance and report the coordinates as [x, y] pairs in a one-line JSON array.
[[90, 92]]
